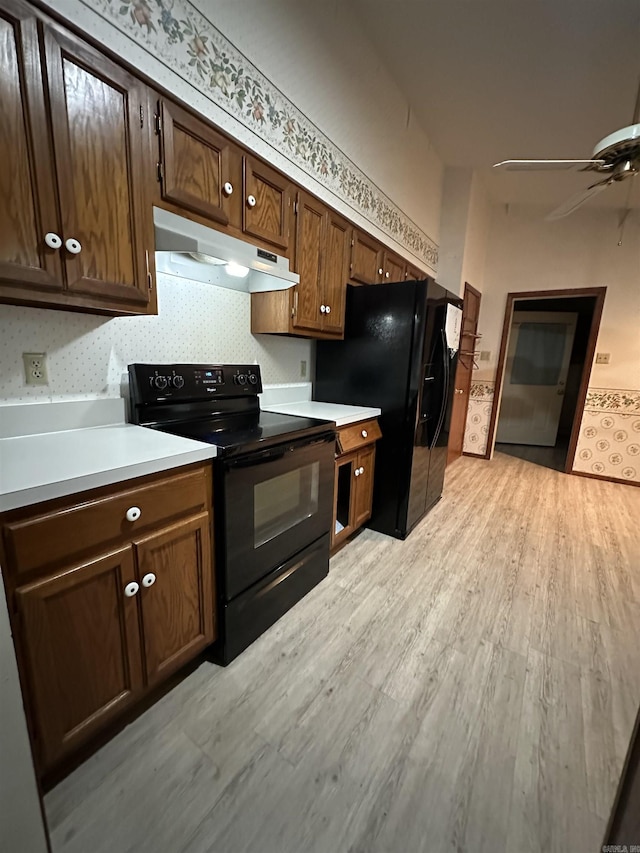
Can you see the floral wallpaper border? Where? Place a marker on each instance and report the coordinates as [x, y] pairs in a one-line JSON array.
[[609, 399], [180, 36]]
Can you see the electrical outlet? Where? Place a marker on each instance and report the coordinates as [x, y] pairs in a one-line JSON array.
[[303, 369], [603, 357], [35, 368]]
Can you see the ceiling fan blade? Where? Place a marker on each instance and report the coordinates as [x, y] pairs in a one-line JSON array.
[[545, 165], [577, 200]]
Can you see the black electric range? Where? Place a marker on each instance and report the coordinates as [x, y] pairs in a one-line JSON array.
[[273, 488]]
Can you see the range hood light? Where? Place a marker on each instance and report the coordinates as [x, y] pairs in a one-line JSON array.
[[237, 270]]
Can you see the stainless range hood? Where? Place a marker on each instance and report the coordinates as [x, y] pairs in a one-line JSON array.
[[190, 250]]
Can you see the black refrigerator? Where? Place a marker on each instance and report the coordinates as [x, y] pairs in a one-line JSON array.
[[399, 354]]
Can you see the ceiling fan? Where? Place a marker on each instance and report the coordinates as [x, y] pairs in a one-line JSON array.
[[616, 157]]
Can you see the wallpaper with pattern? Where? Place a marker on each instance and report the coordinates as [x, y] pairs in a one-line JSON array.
[[478, 417], [180, 36], [87, 355], [609, 440]]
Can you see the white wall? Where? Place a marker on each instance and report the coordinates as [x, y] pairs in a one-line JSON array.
[[526, 253], [464, 230], [21, 825]]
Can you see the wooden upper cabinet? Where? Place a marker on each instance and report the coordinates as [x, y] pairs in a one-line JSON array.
[[195, 164], [394, 268], [82, 643], [28, 209], [413, 274], [366, 258], [97, 111], [310, 237], [336, 272], [266, 203], [175, 576]]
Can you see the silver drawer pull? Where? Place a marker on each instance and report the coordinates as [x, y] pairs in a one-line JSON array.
[[133, 513]]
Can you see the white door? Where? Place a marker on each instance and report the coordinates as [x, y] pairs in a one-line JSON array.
[[535, 377]]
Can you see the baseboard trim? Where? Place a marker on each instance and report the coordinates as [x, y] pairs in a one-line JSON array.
[[605, 479]]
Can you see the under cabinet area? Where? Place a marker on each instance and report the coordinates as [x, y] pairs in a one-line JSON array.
[[76, 225], [354, 473], [109, 593]]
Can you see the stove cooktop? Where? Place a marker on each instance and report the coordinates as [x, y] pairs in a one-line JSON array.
[[248, 434]]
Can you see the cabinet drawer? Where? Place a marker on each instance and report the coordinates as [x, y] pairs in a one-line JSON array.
[[358, 435], [36, 541]]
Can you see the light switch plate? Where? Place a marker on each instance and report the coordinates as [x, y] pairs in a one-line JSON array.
[[485, 355], [603, 357]]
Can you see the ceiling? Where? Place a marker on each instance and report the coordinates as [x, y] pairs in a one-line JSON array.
[[495, 79]]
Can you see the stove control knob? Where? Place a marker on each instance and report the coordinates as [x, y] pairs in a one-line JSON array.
[[253, 379], [178, 381], [241, 379], [160, 382]]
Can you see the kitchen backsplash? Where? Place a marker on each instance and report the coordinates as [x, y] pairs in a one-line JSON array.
[[87, 355], [609, 439]]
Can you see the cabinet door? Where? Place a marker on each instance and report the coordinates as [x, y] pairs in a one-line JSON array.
[[267, 203], [364, 489], [310, 238], [365, 259], [27, 182], [195, 164], [336, 272], [413, 274], [176, 595], [80, 634], [97, 119], [394, 268]]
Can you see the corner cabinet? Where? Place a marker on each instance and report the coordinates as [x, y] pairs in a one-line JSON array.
[[75, 218], [355, 467], [109, 594]]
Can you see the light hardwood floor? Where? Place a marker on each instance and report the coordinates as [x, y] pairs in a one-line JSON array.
[[470, 689]]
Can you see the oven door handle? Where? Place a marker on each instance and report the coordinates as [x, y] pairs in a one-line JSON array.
[[261, 457]]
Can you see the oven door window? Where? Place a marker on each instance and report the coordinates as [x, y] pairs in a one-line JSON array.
[[282, 502]]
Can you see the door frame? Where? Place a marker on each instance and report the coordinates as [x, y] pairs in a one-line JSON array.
[[468, 289], [599, 294]]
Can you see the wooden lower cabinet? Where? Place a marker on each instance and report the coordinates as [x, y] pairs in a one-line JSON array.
[[94, 633], [81, 639], [174, 569], [353, 492]]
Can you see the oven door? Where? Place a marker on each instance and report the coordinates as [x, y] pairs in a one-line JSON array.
[[277, 501]]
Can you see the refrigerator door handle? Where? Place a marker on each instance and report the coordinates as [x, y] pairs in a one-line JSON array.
[[445, 391]]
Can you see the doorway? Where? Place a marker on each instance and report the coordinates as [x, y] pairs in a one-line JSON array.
[[546, 353]]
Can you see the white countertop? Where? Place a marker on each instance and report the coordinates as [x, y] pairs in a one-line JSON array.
[[45, 465], [341, 414]]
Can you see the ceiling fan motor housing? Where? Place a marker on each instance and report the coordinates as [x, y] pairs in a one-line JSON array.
[[618, 149]]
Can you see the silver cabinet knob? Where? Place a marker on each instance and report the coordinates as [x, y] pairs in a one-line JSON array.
[[227, 188], [52, 240], [251, 200], [364, 433], [131, 589], [323, 309], [133, 513], [361, 470], [73, 246], [328, 309], [149, 579]]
